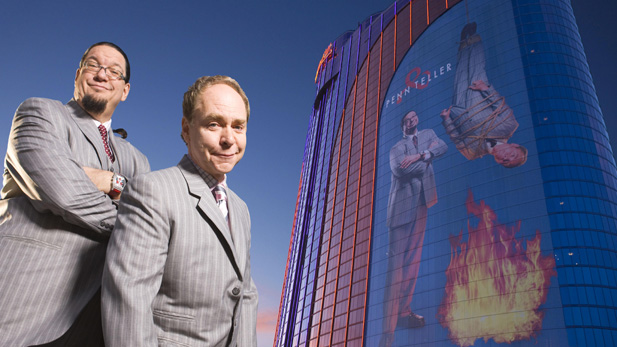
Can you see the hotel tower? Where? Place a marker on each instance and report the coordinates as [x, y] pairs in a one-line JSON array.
[[458, 187]]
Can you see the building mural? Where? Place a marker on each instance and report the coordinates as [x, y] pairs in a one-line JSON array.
[[486, 268], [458, 188]]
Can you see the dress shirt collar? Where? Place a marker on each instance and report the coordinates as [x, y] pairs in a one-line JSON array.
[[107, 125], [210, 181]]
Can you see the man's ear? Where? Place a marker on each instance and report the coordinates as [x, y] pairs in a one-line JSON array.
[[125, 91], [185, 130]]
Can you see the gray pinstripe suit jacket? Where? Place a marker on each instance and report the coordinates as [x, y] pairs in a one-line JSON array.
[[174, 275], [54, 222], [409, 184]]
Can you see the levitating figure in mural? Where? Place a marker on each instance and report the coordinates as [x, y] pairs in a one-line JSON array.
[[479, 122], [411, 194]]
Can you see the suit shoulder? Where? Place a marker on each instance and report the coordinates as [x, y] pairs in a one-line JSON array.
[[156, 185], [42, 104], [429, 132], [42, 101], [163, 177], [49, 113]]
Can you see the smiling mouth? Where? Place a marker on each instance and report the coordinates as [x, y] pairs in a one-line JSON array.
[[99, 87], [225, 156]]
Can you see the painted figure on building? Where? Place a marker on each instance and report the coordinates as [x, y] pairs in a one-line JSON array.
[[412, 192], [479, 122]]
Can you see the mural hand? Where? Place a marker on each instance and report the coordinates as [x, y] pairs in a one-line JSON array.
[[479, 85], [446, 113], [410, 159]]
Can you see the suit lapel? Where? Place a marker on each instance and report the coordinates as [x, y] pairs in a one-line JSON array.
[[118, 154], [208, 208], [239, 224], [422, 145], [86, 125]]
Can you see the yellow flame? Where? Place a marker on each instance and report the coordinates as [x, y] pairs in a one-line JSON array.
[[494, 284]]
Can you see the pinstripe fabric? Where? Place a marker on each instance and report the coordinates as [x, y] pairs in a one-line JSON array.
[[173, 275], [54, 223]]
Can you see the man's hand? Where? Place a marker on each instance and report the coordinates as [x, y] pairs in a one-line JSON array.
[[478, 85], [410, 159], [446, 113], [100, 178]]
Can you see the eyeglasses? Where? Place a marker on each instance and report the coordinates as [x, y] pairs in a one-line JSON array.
[[112, 73]]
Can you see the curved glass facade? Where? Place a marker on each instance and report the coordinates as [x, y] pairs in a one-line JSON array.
[[458, 186]]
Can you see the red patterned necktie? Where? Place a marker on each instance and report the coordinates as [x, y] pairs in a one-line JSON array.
[[103, 132]]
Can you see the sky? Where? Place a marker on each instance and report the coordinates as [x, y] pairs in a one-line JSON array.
[[271, 47]]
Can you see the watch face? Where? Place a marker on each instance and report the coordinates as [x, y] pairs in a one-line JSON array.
[[119, 182]]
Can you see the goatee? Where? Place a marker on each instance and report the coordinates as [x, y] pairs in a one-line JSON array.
[[409, 131], [93, 106]]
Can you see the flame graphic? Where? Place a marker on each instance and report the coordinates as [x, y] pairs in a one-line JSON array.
[[494, 284]]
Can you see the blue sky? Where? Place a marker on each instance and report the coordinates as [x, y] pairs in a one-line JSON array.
[[272, 47]]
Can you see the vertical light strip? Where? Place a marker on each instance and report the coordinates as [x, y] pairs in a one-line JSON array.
[[395, 24], [395, 29], [359, 185], [368, 258], [410, 31], [327, 265], [427, 16], [296, 245], [325, 169], [302, 241], [340, 245], [353, 115], [353, 256], [311, 257]]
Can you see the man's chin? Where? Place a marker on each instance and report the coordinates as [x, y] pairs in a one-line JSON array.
[[93, 105], [225, 168]]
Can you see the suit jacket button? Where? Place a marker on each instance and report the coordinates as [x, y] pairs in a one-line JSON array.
[[235, 291]]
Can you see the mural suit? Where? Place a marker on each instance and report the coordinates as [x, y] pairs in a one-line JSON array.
[[412, 192], [479, 122]]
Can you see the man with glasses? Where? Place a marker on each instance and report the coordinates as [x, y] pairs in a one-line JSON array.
[[63, 176], [412, 193]]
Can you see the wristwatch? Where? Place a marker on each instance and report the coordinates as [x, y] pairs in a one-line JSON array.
[[118, 183]]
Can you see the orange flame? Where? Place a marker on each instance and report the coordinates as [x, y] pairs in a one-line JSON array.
[[494, 285]]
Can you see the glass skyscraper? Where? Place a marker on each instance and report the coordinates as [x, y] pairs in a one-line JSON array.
[[458, 187]]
